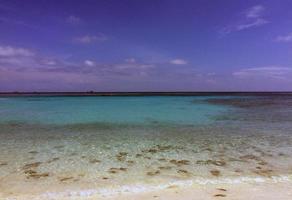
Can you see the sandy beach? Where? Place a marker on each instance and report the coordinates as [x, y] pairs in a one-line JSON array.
[[243, 191], [279, 191]]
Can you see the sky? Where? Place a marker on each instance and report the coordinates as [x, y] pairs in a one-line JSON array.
[[145, 45]]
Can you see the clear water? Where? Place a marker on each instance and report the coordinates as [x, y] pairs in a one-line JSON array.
[[52, 146], [70, 110]]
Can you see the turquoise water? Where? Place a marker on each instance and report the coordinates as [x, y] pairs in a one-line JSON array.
[[70, 110], [55, 147]]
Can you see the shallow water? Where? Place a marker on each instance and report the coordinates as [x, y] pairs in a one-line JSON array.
[[52, 145], [71, 110]]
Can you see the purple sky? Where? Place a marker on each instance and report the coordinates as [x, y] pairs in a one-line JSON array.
[[145, 45]]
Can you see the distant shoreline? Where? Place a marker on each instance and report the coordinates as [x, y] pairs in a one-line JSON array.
[[91, 93]]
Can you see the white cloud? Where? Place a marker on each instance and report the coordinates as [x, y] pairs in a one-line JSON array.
[[255, 11], [73, 20], [257, 22], [51, 62], [89, 39], [41, 73], [21, 60], [286, 38], [6, 51], [138, 66], [275, 72], [252, 17], [178, 62], [89, 63]]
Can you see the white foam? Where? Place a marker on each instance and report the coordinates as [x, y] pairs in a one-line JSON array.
[[143, 188]]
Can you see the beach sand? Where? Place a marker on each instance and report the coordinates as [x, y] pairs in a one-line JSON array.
[[242, 191], [277, 191]]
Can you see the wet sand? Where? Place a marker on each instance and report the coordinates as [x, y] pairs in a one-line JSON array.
[[242, 191], [228, 192]]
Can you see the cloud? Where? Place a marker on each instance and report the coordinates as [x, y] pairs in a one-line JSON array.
[[254, 12], [49, 62], [73, 20], [15, 59], [23, 69], [10, 21], [89, 39], [129, 69], [257, 22], [286, 38], [130, 60], [89, 63], [138, 66], [178, 62], [252, 17], [10, 51], [271, 72]]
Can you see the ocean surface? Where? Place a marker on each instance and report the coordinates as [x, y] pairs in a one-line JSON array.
[[94, 145]]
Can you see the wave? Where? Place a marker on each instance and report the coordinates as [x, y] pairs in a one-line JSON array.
[[144, 188]]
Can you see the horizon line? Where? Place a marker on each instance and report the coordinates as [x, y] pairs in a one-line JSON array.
[[144, 93]]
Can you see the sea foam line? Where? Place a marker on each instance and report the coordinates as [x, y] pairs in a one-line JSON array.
[[142, 188]]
